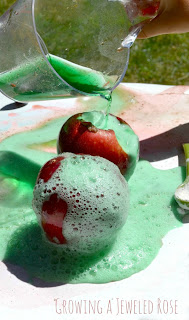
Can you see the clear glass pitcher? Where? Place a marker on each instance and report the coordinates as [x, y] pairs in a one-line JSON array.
[[52, 49]]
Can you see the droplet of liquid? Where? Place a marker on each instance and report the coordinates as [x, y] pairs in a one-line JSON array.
[[120, 49]]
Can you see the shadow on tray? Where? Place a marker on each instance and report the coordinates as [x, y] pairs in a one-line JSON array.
[[13, 106], [31, 258], [165, 145]]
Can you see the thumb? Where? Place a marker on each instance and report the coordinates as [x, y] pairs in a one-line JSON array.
[[159, 25]]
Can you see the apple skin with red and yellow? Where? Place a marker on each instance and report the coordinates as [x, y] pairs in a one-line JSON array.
[[97, 134]]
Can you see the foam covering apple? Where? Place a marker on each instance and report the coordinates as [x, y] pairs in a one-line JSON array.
[[81, 202]]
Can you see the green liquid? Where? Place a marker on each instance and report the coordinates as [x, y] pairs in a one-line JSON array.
[[153, 212], [37, 81], [82, 78], [108, 97]]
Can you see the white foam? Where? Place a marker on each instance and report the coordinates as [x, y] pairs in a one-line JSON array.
[[97, 197]]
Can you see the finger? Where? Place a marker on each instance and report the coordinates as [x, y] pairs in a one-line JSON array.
[[169, 20], [154, 27]]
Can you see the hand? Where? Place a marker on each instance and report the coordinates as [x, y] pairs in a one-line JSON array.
[[173, 17]]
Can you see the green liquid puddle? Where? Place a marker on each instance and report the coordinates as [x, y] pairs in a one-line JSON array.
[[153, 212]]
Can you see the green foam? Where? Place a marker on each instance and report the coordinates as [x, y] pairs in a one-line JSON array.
[[153, 212]]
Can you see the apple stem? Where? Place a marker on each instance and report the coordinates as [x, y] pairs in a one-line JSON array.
[[186, 152]]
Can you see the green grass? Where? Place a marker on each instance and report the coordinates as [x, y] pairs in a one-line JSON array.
[[5, 4], [163, 59]]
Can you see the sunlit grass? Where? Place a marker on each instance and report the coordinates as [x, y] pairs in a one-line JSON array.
[[163, 59], [5, 4]]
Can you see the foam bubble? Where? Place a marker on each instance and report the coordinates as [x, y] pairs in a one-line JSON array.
[[97, 200]]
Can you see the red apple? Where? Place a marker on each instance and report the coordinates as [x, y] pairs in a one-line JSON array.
[[54, 208], [103, 136], [81, 202]]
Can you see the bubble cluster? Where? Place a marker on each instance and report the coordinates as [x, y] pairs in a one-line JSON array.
[[137, 243], [95, 198]]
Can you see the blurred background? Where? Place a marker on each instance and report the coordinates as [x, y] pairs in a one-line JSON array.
[[159, 60]]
